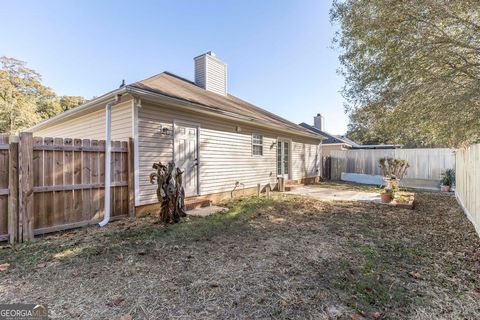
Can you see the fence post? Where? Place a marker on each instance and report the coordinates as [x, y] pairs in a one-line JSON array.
[[25, 168], [131, 179], [13, 186]]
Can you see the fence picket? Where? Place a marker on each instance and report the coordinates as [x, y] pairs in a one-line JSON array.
[[86, 179], [468, 182], [4, 168], [47, 219], [13, 187], [38, 198], [95, 179], [58, 180], [77, 179], [26, 204], [68, 180]]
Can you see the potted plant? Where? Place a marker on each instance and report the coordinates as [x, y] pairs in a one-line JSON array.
[[448, 180]]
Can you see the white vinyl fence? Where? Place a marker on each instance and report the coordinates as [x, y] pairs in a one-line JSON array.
[[426, 165], [467, 188]]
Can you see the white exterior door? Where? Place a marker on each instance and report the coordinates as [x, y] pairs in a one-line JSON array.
[[186, 156], [283, 159]]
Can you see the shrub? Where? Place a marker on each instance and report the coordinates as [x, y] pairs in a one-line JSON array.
[[394, 168], [448, 177]]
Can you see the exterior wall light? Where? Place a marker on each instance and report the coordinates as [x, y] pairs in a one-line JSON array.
[[166, 131]]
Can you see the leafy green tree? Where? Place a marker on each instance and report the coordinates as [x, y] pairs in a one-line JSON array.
[[24, 100], [419, 61], [70, 102], [18, 95]]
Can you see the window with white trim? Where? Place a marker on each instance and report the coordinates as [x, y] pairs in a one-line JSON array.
[[257, 144]]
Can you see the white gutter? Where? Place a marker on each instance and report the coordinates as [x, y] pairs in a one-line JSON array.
[[108, 159]]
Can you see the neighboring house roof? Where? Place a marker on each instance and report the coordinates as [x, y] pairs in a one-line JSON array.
[[330, 139], [368, 146], [168, 85], [348, 141]]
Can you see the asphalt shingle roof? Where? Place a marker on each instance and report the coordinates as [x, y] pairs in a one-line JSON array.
[[330, 139], [177, 87]]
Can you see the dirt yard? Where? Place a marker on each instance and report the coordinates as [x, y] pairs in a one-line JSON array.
[[284, 258]]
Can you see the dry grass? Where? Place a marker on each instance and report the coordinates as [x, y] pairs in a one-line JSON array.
[[286, 258], [339, 185]]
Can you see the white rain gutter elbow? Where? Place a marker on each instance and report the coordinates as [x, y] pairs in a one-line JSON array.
[[108, 158]]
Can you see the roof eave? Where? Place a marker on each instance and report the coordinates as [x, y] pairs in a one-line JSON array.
[[336, 144], [213, 111]]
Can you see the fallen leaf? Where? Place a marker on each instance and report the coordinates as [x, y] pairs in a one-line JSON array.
[[126, 317], [41, 265], [415, 274], [4, 267], [357, 316], [115, 302]]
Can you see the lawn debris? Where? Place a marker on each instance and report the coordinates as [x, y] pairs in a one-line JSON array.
[[299, 258]]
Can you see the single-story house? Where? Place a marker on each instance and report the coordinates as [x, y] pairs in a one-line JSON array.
[[335, 142], [221, 141]]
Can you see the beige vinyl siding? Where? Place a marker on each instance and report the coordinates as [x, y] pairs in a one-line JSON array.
[[326, 149], [225, 154], [312, 160], [92, 125], [201, 71], [305, 158], [216, 75]]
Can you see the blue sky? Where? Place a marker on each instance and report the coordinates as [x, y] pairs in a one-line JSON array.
[[279, 53]]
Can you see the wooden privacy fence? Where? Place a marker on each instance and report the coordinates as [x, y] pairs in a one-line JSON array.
[[426, 165], [326, 168], [53, 184], [467, 189]]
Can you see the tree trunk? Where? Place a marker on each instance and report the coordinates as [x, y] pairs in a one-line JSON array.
[[170, 192]]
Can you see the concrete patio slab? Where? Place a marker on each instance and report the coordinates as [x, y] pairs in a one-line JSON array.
[[206, 211], [327, 194]]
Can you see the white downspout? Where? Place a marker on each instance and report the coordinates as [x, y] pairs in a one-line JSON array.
[[108, 165]]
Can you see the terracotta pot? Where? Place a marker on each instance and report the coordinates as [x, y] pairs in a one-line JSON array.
[[386, 197], [445, 188]]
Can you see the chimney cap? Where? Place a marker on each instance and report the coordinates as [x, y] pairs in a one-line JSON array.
[[209, 53]]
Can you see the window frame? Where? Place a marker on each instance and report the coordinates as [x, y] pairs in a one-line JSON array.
[[257, 145]]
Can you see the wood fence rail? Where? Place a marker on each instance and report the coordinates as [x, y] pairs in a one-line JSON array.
[[53, 184]]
